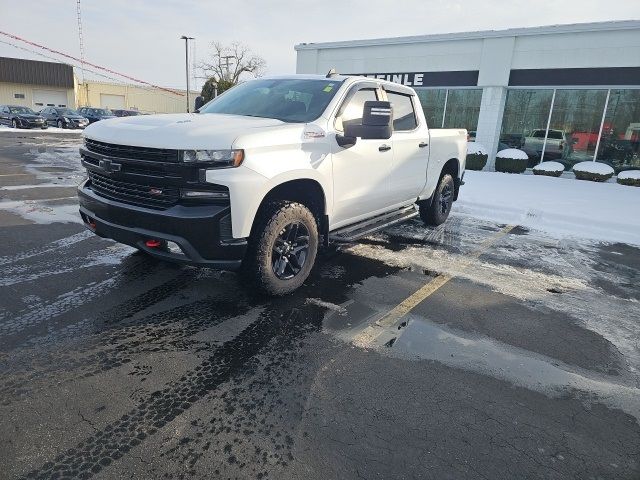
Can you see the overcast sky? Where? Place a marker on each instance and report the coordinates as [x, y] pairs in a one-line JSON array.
[[141, 37]]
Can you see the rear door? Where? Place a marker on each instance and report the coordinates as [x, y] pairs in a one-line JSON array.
[[410, 143], [360, 172]]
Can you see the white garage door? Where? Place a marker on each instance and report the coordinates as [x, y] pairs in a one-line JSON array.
[[49, 98], [111, 101]]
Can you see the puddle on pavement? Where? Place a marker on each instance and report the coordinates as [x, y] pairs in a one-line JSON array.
[[421, 339]]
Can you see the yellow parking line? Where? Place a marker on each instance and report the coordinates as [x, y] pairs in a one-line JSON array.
[[369, 335]]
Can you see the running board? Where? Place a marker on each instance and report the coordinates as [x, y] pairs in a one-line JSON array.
[[353, 232]]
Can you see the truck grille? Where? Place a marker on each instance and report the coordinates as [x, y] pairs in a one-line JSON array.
[[160, 197], [134, 153]]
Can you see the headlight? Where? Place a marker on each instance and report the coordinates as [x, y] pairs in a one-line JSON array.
[[219, 158], [65, 119]]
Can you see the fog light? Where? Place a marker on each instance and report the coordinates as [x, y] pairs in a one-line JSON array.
[[173, 247]]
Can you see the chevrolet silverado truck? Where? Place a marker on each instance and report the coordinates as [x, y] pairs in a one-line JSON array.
[[262, 176]]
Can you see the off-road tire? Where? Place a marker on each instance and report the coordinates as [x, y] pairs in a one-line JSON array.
[[436, 212], [258, 267]]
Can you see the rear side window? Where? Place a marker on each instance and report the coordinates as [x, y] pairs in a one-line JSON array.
[[404, 116], [351, 111], [555, 134]]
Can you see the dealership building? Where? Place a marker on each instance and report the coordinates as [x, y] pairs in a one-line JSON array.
[[566, 92], [38, 84]]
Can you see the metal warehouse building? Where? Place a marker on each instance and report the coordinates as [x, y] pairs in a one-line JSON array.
[[566, 92], [37, 84]]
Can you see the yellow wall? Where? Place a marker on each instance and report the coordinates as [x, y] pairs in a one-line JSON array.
[[145, 99], [7, 91]]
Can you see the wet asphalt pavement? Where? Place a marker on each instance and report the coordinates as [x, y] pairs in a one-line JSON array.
[[522, 364]]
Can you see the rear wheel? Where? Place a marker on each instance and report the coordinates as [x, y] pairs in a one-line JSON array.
[[282, 248], [436, 212]]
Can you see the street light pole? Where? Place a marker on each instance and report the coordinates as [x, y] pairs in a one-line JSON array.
[[186, 63]]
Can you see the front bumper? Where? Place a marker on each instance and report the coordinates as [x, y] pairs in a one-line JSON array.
[[203, 232], [31, 123]]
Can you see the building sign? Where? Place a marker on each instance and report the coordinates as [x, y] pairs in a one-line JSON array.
[[465, 78]]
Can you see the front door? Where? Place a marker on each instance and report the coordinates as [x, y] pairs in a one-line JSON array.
[[360, 172]]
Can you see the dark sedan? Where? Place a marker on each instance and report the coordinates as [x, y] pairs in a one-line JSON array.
[[63, 117], [20, 117], [95, 114], [126, 113]]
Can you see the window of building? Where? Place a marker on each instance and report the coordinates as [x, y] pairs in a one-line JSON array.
[[574, 126], [432, 101], [18, 95], [404, 117], [463, 109], [620, 142], [524, 122]]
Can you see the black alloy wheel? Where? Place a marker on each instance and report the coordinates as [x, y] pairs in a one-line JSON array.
[[290, 251], [446, 198]]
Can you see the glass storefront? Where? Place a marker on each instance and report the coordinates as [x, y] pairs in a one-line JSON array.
[[463, 109], [620, 142], [432, 105], [575, 126], [524, 122], [564, 125], [453, 108]]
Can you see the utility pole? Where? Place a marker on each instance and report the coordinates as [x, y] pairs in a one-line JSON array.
[[226, 65], [186, 63]]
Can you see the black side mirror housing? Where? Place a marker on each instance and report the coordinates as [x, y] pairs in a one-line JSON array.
[[199, 102], [377, 122]]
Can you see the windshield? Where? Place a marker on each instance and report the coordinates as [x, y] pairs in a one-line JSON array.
[[22, 110], [66, 111], [289, 100]]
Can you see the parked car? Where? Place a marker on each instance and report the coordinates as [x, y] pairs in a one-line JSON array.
[[126, 113], [559, 145], [95, 114], [268, 172], [63, 117], [17, 116]]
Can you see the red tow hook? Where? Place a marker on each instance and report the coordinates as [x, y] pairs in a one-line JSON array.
[[153, 243]]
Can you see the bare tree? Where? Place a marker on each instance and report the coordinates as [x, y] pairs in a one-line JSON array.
[[229, 62]]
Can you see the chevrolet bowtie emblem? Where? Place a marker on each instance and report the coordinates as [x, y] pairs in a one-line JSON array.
[[109, 166]]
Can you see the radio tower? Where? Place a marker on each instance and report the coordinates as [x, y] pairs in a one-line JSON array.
[[80, 39]]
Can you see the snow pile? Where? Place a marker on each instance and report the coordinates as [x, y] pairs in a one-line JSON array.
[[593, 167], [549, 167], [512, 153], [629, 175], [477, 148], [6, 129], [601, 211]]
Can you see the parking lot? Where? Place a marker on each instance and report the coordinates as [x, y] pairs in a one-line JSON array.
[[471, 350]]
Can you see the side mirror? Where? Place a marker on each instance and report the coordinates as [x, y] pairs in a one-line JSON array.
[[377, 122], [199, 102]]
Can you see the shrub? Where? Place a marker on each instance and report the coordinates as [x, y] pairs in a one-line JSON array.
[[550, 169], [629, 177], [476, 161], [593, 171], [511, 160], [476, 156]]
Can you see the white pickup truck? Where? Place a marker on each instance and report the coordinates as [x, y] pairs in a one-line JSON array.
[[263, 175]]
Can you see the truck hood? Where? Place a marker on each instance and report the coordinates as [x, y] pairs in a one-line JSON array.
[[182, 131]]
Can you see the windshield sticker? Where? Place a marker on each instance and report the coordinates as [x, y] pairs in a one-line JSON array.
[[328, 88]]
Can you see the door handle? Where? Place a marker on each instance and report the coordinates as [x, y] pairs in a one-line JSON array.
[[423, 144], [384, 148]]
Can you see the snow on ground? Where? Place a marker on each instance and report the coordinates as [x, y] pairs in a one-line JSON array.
[[512, 153], [600, 211], [593, 167], [629, 175], [550, 167], [6, 129]]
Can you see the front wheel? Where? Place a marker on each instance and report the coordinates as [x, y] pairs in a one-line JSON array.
[[282, 248], [14, 123], [60, 124], [436, 212]]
